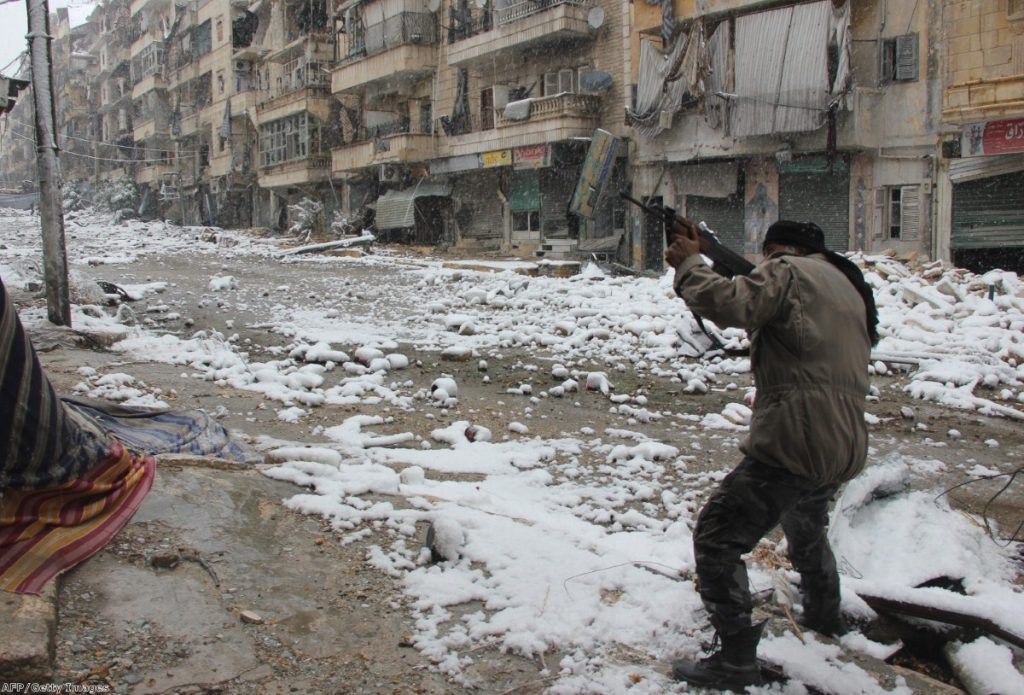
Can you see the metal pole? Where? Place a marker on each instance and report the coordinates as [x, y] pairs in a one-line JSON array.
[[51, 213]]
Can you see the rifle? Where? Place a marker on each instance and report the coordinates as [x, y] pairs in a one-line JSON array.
[[725, 261]]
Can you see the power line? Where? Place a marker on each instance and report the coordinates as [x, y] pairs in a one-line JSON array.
[[101, 159], [111, 144]]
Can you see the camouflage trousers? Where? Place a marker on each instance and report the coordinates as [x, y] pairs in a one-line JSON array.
[[747, 504]]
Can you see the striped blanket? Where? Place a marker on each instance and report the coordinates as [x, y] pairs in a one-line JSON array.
[[66, 485], [44, 532], [73, 472]]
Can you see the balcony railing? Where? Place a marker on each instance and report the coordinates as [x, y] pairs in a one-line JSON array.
[[398, 30], [556, 106], [470, 22]]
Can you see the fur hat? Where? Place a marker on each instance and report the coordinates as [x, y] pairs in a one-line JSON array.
[[804, 234]]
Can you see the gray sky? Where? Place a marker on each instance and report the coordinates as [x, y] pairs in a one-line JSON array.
[[14, 26]]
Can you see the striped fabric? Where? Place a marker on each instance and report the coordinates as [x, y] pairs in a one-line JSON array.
[[44, 532], [31, 417], [160, 432]]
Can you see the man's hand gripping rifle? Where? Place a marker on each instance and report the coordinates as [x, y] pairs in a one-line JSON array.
[[726, 262]]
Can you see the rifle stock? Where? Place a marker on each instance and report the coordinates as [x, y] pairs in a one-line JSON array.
[[726, 262]]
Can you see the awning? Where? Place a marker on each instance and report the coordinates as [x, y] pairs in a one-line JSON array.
[[973, 168], [396, 209]]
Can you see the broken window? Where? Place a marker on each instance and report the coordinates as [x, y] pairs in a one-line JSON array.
[[201, 40], [899, 59], [290, 138], [897, 213]]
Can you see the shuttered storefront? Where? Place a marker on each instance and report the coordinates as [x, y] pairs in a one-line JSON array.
[[479, 210], [808, 192], [988, 223], [556, 187], [724, 216]]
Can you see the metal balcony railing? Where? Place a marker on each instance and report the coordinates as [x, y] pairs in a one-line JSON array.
[[418, 28], [470, 22]]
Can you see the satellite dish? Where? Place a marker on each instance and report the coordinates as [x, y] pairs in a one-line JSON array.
[[481, 4], [433, 5], [595, 18]]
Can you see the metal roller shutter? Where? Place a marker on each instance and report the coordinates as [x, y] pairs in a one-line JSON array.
[[988, 223], [556, 187], [819, 197], [723, 215], [989, 212], [480, 213]]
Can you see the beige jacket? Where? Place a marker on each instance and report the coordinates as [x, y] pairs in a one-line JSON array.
[[809, 355]]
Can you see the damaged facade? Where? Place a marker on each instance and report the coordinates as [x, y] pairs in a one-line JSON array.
[[466, 122], [751, 112]]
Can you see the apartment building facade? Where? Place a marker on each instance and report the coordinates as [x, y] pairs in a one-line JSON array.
[[467, 121], [981, 181], [755, 111]]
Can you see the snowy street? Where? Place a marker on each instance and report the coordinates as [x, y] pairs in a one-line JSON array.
[[560, 435]]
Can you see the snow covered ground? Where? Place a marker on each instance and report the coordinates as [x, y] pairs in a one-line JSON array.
[[572, 543]]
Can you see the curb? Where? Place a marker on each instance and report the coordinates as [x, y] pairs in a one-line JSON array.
[[30, 630]]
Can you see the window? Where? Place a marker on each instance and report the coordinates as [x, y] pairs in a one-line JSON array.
[[526, 221], [426, 116], [1015, 9], [558, 81], [220, 30], [201, 40], [290, 138], [899, 59], [897, 213], [220, 82]]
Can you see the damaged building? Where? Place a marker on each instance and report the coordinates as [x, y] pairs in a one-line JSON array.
[[465, 123], [850, 114]]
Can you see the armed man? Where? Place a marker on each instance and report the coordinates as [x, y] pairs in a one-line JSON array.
[[812, 320]]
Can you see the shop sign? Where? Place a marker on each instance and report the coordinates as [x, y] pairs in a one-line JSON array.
[[594, 174], [465, 162], [496, 158], [531, 157], [993, 137]]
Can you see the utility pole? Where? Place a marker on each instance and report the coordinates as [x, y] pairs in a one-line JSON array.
[[51, 212]]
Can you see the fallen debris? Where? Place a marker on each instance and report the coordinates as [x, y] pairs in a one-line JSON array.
[[364, 240]]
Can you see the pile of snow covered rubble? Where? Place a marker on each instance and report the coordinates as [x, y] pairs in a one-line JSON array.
[[553, 540]]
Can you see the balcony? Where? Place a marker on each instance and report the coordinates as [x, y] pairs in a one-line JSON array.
[[150, 173], [551, 119], [295, 95], [138, 5], [401, 49], [493, 34], [318, 47], [296, 172], [243, 103], [385, 148], [147, 128]]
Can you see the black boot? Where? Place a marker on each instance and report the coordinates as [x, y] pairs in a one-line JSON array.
[[734, 667], [830, 625], [821, 606]]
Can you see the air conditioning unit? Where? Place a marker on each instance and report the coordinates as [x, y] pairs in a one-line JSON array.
[[390, 173]]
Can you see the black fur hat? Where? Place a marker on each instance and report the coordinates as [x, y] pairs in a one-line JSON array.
[[805, 234]]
